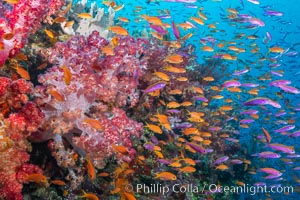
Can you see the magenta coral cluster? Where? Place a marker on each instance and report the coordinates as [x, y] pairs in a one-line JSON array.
[[101, 88], [22, 118], [21, 20]]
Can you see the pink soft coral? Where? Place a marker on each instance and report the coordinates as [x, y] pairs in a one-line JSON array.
[[22, 19], [101, 87]]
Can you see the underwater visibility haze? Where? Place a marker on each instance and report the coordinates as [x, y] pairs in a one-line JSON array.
[[149, 99]]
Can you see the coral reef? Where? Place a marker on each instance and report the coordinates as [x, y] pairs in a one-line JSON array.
[[91, 105], [22, 117], [100, 22], [109, 108], [18, 21]]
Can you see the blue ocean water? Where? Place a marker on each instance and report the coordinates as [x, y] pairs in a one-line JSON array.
[[284, 30]]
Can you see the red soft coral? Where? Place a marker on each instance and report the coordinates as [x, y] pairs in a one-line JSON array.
[[22, 19], [22, 119]]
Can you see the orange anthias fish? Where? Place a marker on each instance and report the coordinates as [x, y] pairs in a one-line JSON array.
[[157, 35], [85, 15], [182, 79], [57, 95], [37, 178], [115, 41], [175, 164], [276, 49], [186, 37], [22, 72], [203, 16], [197, 20], [12, 1], [155, 93], [167, 126], [226, 108], [109, 3], [267, 135], [103, 174], [218, 97], [175, 91], [186, 103], [222, 167], [123, 19], [228, 57], [198, 90], [49, 33], [108, 50], [162, 76], [59, 19], [173, 104], [120, 149], [118, 30], [89, 196], [189, 161], [90, 169], [159, 154], [129, 196], [215, 88], [196, 114], [208, 78], [21, 56], [228, 100], [117, 8], [190, 131], [187, 169], [207, 48], [153, 20], [172, 69], [196, 138], [69, 24], [1, 45], [93, 123], [234, 89], [128, 172], [163, 119], [205, 134], [185, 26], [174, 59], [67, 75], [8, 36], [58, 182], [154, 128], [166, 176], [206, 142], [253, 91]]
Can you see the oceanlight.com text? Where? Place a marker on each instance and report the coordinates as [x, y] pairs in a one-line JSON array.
[[206, 189]]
